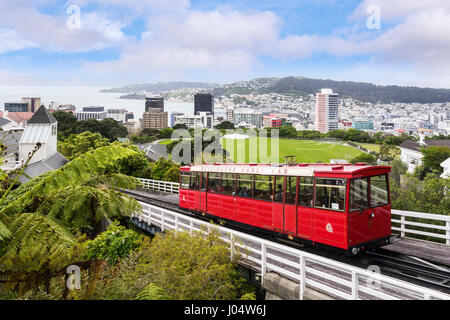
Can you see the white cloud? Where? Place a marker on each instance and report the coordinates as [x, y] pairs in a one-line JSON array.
[[223, 41], [10, 41], [31, 28]]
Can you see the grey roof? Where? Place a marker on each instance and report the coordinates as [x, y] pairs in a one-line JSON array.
[[42, 116], [10, 139], [411, 145], [4, 121], [54, 162], [442, 143]]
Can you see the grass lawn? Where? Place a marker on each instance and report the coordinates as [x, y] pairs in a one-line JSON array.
[[305, 151], [165, 142], [370, 146]]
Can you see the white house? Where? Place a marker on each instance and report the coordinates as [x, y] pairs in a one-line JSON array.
[[446, 166], [41, 129], [411, 154]]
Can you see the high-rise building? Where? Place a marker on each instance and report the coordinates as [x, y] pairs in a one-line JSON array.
[[33, 103], [362, 124], [16, 106], [173, 116], [97, 113], [248, 118], [327, 111], [154, 102], [203, 102], [154, 120], [117, 114]]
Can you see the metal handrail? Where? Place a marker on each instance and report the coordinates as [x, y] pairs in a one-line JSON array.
[[337, 279]]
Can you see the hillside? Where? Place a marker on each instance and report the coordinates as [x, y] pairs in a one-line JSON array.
[[365, 92], [160, 87]]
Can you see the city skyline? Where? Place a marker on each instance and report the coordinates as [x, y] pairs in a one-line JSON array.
[[95, 42]]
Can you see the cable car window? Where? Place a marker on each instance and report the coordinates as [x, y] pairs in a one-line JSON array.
[[278, 194], [245, 186], [330, 194], [291, 190], [195, 181], [203, 185], [228, 184], [379, 191], [359, 194], [306, 192], [184, 181], [263, 188], [214, 184]]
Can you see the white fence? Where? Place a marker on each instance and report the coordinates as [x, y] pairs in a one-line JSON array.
[[164, 186], [430, 222], [335, 279], [398, 216]]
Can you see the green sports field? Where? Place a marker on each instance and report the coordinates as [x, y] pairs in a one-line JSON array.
[[305, 151]]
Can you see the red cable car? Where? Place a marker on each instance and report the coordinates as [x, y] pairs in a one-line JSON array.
[[346, 206]]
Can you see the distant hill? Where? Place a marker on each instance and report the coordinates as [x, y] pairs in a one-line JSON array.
[[365, 92], [299, 86], [161, 87]]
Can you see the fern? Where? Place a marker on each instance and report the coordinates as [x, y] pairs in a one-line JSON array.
[[152, 292]]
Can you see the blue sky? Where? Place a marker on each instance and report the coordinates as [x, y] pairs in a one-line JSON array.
[[119, 42]]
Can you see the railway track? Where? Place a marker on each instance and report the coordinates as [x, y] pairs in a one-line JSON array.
[[412, 269], [396, 265]]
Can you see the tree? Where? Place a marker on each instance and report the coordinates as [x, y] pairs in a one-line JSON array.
[[433, 157], [166, 133], [66, 123], [114, 244], [225, 125], [76, 145], [364, 158], [180, 126], [398, 168], [179, 266], [288, 131], [108, 128]]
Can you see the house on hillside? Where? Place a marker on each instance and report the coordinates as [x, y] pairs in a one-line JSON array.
[[41, 129], [446, 166], [411, 151]]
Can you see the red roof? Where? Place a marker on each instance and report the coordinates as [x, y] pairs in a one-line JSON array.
[[17, 117]]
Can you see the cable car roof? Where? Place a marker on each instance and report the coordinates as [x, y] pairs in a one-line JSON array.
[[303, 170]]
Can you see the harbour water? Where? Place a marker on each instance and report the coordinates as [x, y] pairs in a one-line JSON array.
[[85, 97]]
